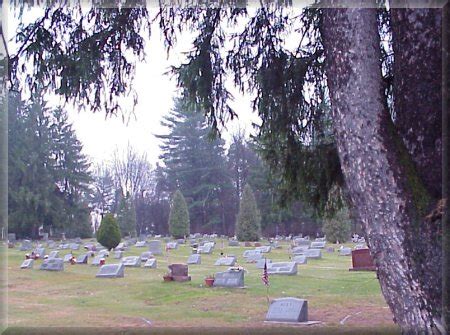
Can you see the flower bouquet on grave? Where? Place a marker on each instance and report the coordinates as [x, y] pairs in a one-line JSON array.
[[72, 260], [102, 261], [209, 280]]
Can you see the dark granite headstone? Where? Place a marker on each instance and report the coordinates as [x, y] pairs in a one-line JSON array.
[[179, 272], [111, 271], [362, 260], [52, 264], [288, 310], [230, 278]]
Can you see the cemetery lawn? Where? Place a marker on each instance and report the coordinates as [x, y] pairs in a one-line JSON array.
[[343, 300]]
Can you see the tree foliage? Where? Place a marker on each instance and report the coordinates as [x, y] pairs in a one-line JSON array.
[[108, 233], [248, 225], [337, 227], [179, 223]]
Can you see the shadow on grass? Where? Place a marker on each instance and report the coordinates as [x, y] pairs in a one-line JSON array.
[[192, 330]]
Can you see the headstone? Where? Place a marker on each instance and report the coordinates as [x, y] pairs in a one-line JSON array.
[[64, 246], [179, 272], [345, 252], [233, 243], [329, 249], [118, 254], [257, 244], [300, 250], [51, 244], [26, 245], [103, 253], [120, 247], [54, 254], [282, 268], [75, 246], [27, 264], [321, 239], [275, 245], [318, 245], [264, 248], [205, 249], [194, 259], [229, 278], [360, 246], [52, 264], [172, 245], [67, 258], [253, 258], [96, 260], [226, 261], [133, 261], [180, 241], [45, 236], [40, 252], [78, 240], [313, 253], [288, 310], [146, 255], [111, 271], [11, 237], [260, 263], [82, 259], [140, 244], [302, 242], [362, 260], [154, 247], [248, 253], [300, 259], [150, 263], [247, 244]]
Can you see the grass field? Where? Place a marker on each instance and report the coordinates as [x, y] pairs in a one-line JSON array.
[[140, 301]]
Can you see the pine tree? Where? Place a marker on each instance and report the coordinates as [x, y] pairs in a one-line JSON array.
[[337, 228], [126, 216], [249, 219], [179, 216], [108, 234]]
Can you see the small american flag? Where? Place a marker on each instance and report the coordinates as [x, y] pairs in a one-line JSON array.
[[265, 276]]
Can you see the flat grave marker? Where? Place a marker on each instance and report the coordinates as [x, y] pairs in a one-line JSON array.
[[225, 261], [282, 268], [111, 271], [194, 259], [132, 261], [150, 263], [27, 264], [52, 264]]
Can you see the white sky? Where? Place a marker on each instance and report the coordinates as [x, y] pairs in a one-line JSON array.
[[101, 136]]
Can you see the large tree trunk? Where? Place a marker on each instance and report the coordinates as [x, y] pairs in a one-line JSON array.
[[417, 45], [387, 194]]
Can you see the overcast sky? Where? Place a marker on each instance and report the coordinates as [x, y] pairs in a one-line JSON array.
[[101, 136]]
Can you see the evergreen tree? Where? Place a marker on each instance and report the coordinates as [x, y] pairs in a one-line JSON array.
[[195, 164], [108, 233], [337, 228], [179, 225], [249, 219], [126, 216]]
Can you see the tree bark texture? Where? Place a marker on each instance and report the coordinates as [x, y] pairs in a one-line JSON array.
[[379, 173], [417, 45]]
